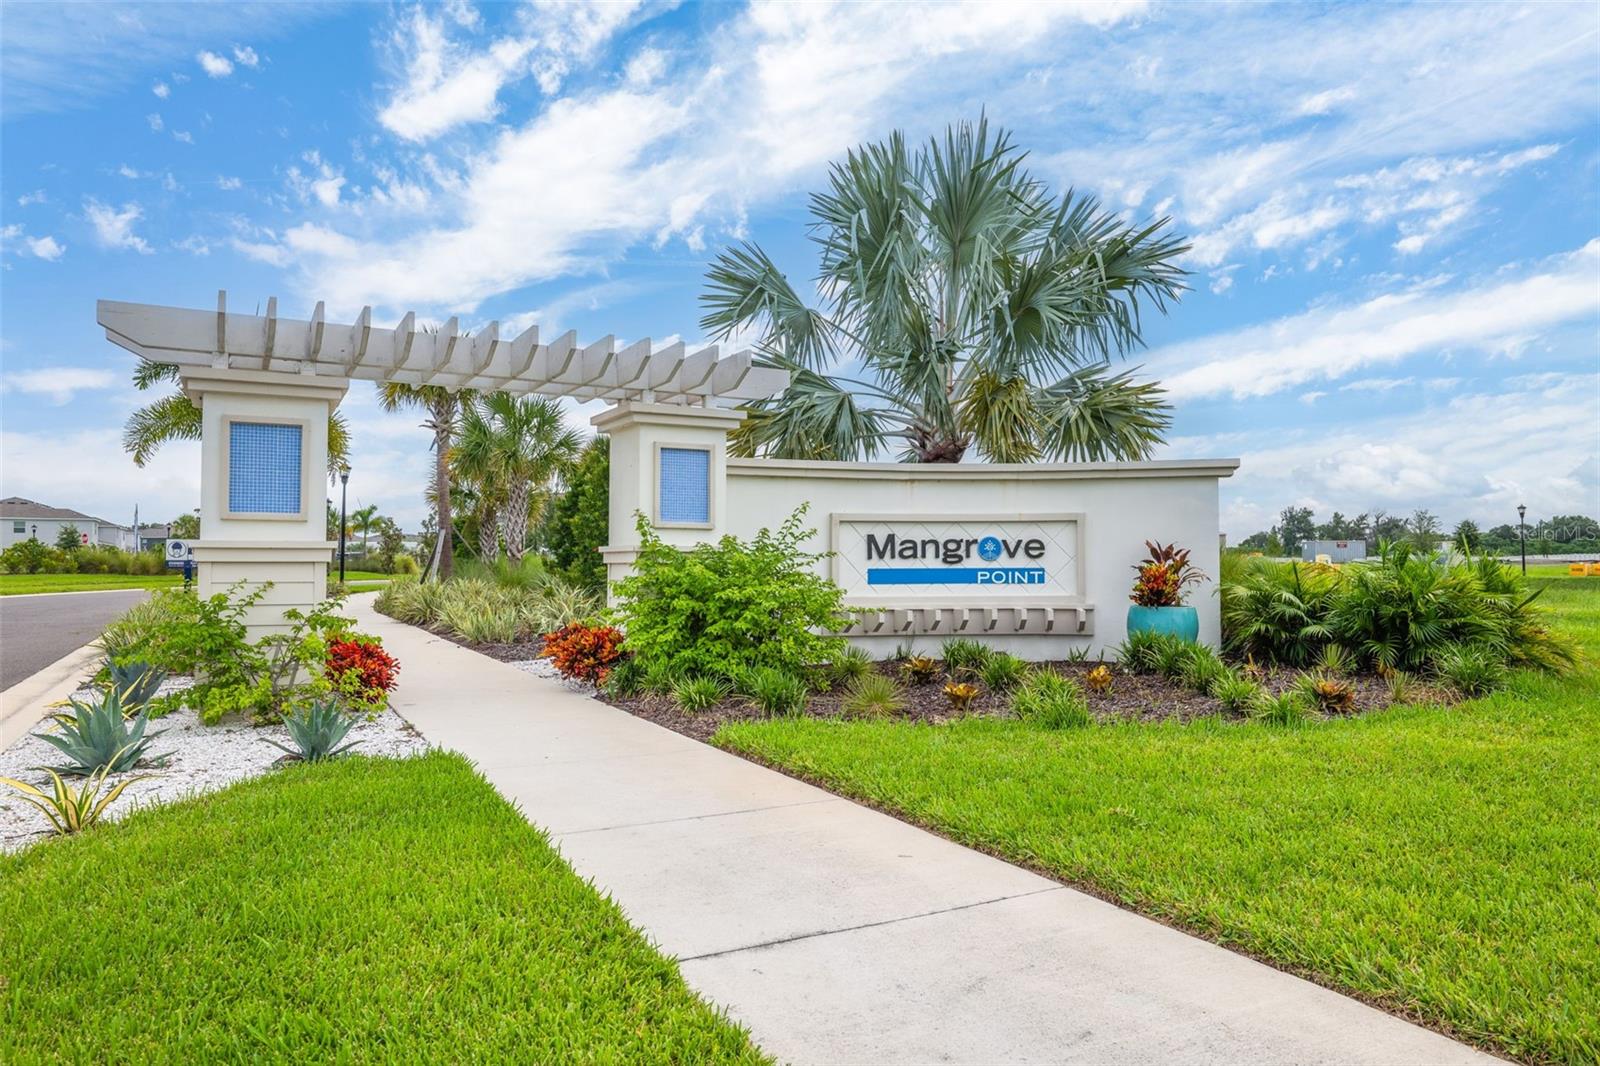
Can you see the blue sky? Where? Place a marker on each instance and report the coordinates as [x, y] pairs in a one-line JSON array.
[[1394, 208]]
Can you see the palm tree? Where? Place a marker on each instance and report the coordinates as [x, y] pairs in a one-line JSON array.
[[512, 447], [979, 310], [176, 417], [364, 520], [443, 409]]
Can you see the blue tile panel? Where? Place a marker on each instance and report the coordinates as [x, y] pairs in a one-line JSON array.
[[685, 485], [263, 468]]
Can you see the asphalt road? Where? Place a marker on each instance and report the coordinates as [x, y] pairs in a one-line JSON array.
[[35, 631]]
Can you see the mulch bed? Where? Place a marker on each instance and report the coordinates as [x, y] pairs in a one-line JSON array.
[[1133, 697]]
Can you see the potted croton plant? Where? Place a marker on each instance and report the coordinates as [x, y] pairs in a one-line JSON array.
[[1158, 594]]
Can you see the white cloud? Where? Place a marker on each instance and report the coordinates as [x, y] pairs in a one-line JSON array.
[[214, 65], [783, 90], [46, 247], [183, 136], [58, 384], [128, 172], [113, 228], [161, 89], [645, 67], [1326, 101], [102, 479], [227, 183], [324, 184], [1475, 456], [1376, 384], [36, 197], [156, 124], [446, 84], [1327, 343], [245, 56]]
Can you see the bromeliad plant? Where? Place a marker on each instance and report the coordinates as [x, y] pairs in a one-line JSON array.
[[1163, 576], [71, 810], [95, 736]]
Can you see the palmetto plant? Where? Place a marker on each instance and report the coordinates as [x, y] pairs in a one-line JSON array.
[[978, 308], [513, 447], [176, 417], [442, 407]]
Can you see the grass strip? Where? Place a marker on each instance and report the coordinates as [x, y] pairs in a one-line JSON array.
[[1444, 862], [362, 910]]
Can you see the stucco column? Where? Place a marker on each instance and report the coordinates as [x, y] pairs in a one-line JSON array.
[[264, 486], [669, 463]]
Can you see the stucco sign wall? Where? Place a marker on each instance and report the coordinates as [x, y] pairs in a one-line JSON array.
[[899, 557]]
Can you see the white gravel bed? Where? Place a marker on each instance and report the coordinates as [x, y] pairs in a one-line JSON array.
[[546, 669], [200, 758]]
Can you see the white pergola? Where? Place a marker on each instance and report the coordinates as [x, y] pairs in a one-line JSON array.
[[314, 347]]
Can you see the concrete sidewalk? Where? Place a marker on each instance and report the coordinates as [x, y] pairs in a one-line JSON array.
[[838, 934]]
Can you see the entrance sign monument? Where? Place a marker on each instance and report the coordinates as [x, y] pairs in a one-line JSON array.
[[1032, 558]]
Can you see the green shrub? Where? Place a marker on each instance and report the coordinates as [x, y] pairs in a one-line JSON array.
[[1171, 655], [95, 735], [1278, 612], [964, 658], [316, 731], [698, 693], [1234, 691], [851, 663], [1002, 672], [580, 519], [775, 691], [1050, 701], [1137, 652], [873, 696], [1472, 670], [720, 608], [1335, 660], [1286, 709], [33, 557], [1200, 668], [626, 679], [660, 678]]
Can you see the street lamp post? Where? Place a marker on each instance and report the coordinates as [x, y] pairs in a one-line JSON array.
[[344, 488], [1522, 534], [36, 531]]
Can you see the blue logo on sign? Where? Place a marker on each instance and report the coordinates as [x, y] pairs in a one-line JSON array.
[[989, 548]]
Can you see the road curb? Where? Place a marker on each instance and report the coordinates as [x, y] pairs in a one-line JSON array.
[[29, 700]]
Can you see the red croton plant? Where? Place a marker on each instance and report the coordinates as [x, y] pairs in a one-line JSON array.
[[1163, 576], [585, 652], [366, 660]]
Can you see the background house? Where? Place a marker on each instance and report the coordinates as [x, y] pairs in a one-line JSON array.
[[22, 519]]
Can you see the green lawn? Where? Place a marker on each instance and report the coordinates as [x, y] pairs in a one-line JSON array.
[[1441, 861], [25, 584], [364, 910]]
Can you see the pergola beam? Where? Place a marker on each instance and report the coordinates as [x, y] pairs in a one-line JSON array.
[[404, 354]]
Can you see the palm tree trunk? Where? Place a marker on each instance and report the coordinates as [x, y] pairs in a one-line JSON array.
[[514, 521], [488, 535], [443, 553]]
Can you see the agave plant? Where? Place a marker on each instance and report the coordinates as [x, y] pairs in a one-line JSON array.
[[136, 683], [316, 730], [72, 810], [96, 735]]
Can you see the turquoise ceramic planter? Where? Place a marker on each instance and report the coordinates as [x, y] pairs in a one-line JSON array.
[[1181, 622]]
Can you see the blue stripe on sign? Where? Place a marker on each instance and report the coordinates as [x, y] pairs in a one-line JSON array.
[[956, 575]]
